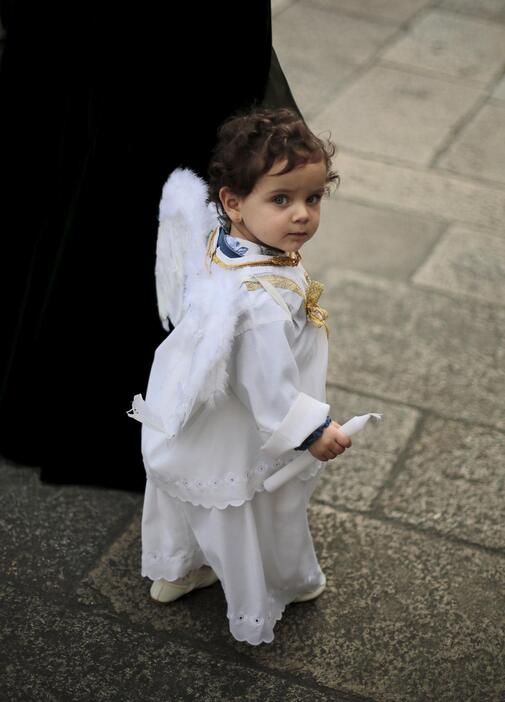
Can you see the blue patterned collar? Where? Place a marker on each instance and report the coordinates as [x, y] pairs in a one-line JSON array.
[[236, 247]]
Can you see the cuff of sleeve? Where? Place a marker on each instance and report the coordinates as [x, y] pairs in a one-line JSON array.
[[314, 436], [305, 415]]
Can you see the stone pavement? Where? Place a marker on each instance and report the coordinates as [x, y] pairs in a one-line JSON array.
[[410, 524]]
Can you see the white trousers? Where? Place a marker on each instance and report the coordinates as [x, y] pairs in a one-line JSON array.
[[261, 551]]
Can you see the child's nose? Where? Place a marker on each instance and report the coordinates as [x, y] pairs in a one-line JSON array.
[[301, 213]]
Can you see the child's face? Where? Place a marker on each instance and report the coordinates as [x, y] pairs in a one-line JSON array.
[[282, 211]]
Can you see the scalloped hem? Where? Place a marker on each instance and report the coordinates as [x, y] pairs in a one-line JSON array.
[[209, 503], [168, 567], [261, 628], [251, 638], [223, 504]]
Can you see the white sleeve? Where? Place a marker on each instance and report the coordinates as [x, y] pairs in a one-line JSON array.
[[264, 376]]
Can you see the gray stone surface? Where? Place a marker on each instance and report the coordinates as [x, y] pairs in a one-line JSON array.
[[406, 617], [479, 150], [13, 476], [358, 38], [279, 6], [395, 11], [382, 109], [314, 63], [313, 84], [57, 652], [499, 91], [353, 480], [376, 240], [465, 47], [418, 347], [453, 481], [421, 190], [489, 9], [467, 262], [376, 630], [51, 536], [117, 577]]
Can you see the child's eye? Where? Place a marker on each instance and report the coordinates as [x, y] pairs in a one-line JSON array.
[[280, 199], [314, 199]]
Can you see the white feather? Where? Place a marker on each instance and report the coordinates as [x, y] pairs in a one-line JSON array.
[[185, 221]]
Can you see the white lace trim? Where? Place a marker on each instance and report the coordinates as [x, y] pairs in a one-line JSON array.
[[156, 564], [231, 490], [257, 628], [229, 479]]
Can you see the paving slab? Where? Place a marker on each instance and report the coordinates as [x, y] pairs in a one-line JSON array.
[[441, 41], [406, 616], [419, 347], [467, 262], [354, 479], [13, 475], [327, 36], [313, 85], [56, 653], [479, 149], [453, 481], [392, 113], [393, 11], [499, 91], [316, 65], [489, 9], [50, 536], [425, 191], [377, 240], [279, 6]]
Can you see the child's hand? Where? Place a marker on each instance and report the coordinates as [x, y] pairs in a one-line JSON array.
[[331, 443]]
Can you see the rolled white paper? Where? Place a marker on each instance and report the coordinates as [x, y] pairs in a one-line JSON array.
[[299, 464]]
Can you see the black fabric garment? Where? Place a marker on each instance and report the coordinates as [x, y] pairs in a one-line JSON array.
[[99, 105]]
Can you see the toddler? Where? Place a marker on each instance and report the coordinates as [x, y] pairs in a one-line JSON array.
[[237, 388]]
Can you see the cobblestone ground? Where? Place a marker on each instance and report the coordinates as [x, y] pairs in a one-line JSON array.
[[410, 527]]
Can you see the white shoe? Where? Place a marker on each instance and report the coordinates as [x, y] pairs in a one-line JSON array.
[[169, 590], [310, 595]]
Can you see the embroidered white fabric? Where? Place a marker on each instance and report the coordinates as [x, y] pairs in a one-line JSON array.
[[203, 492], [261, 551], [276, 398]]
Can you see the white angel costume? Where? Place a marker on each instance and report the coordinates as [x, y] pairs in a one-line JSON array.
[[234, 391]]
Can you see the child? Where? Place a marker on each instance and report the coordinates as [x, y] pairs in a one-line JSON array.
[[237, 389]]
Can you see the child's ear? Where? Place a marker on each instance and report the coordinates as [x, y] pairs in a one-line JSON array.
[[231, 204]]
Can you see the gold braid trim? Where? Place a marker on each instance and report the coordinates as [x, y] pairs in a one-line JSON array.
[[290, 259], [315, 314], [210, 248], [278, 280]]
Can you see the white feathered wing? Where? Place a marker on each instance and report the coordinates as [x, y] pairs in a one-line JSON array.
[[189, 367], [184, 222]]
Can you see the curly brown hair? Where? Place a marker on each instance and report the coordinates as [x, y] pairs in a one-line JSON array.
[[248, 145]]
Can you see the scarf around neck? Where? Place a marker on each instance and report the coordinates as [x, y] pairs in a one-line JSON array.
[[236, 247]]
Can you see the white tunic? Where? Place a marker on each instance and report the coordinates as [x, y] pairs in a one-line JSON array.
[[204, 501], [277, 394]]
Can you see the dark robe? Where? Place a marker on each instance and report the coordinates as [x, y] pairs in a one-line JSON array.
[[100, 102]]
